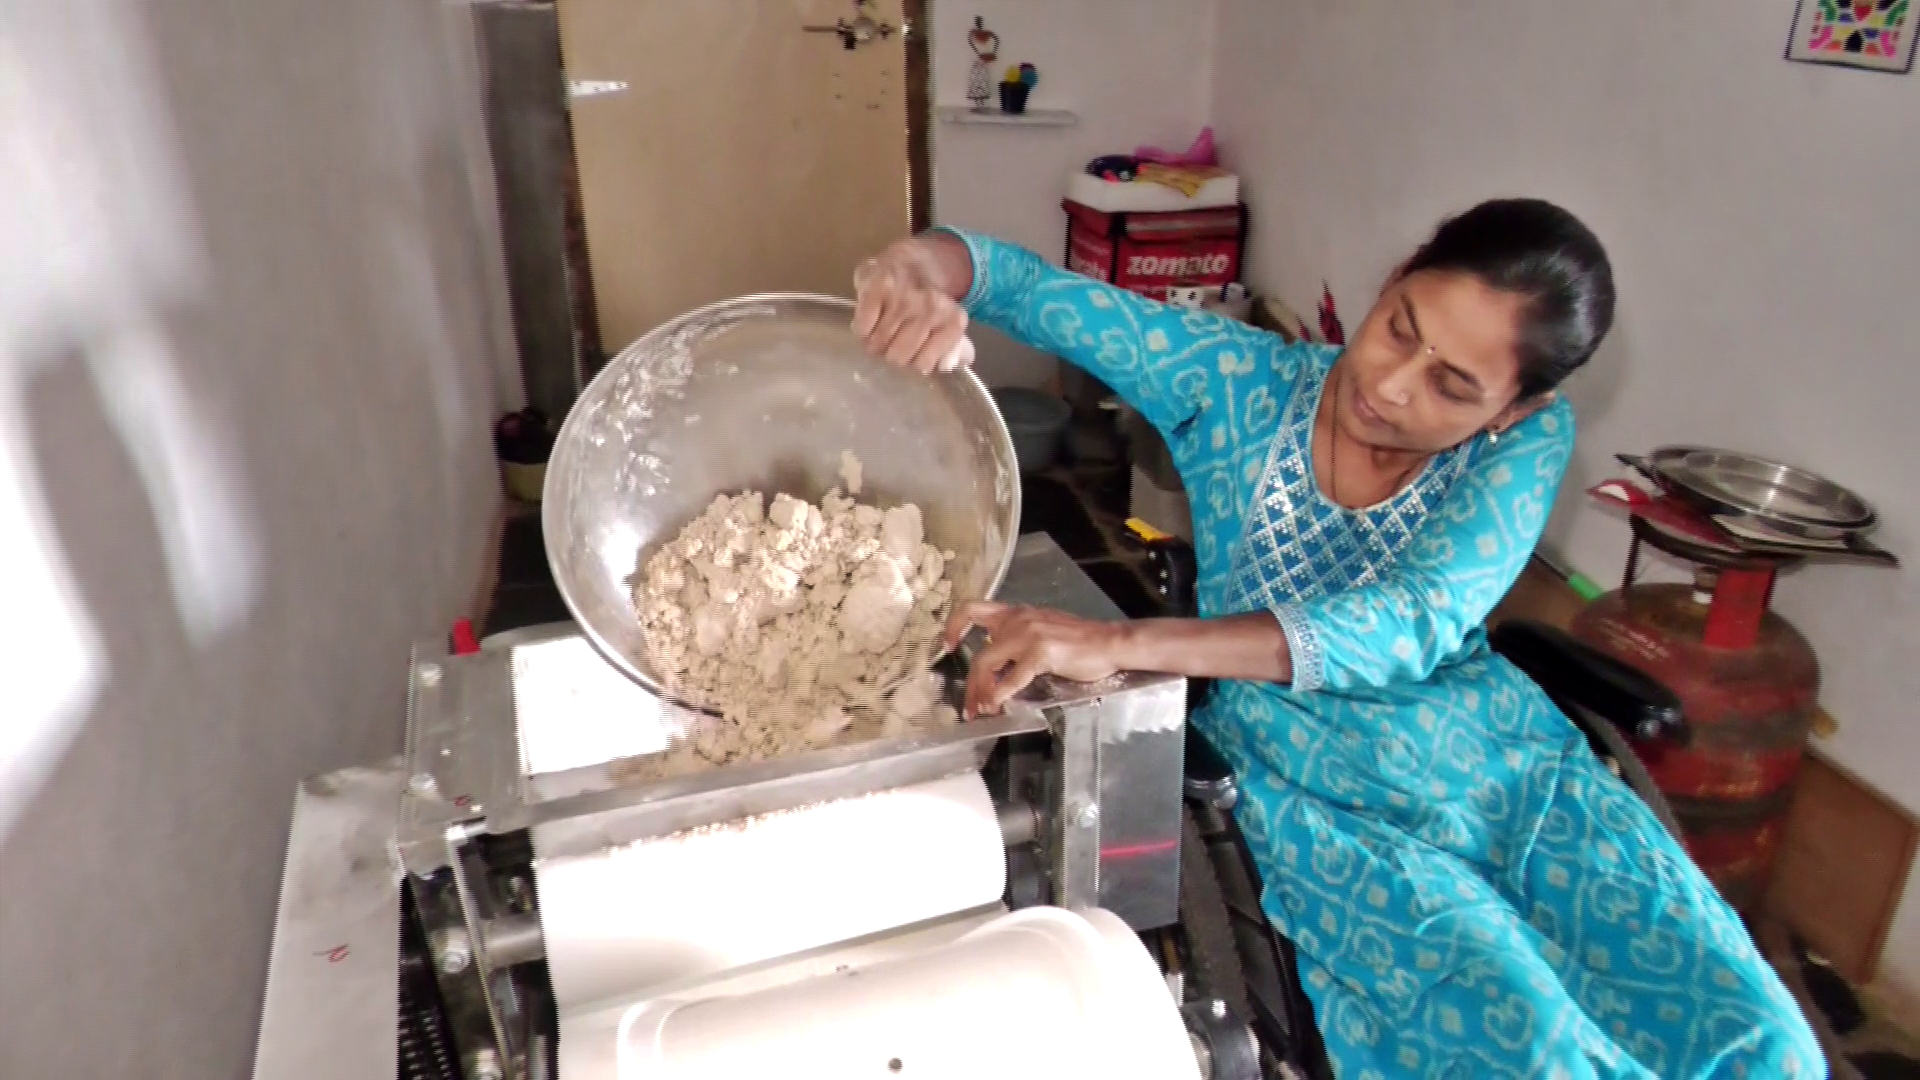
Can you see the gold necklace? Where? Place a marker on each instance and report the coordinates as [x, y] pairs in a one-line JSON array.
[[1333, 460]]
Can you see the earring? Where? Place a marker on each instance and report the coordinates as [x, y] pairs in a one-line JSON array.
[[1493, 436]]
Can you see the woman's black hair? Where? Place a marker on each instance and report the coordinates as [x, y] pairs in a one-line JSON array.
[[1541, 252]]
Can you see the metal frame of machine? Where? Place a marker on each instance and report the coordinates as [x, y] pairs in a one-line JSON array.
[[1086, 782]]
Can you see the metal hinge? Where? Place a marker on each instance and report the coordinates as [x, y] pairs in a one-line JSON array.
[[580, 88]]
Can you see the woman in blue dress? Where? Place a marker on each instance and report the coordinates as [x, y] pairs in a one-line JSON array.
[[1472, 893]]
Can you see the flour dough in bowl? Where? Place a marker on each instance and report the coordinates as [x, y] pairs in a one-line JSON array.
[[801, 625], [763, 393]]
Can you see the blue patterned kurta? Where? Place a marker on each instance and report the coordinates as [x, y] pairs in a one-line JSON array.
[[1472, 892]]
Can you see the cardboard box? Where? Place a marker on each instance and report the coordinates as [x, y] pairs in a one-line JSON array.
[[1149, 253]]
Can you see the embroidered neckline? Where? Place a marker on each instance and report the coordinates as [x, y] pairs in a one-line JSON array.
[[1281, 515], [1296, 434]]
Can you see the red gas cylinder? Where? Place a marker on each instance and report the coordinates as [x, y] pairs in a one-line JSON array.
[[1748, 683]]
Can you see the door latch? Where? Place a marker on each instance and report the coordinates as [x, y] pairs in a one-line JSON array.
[[862, 29], [583, 88]]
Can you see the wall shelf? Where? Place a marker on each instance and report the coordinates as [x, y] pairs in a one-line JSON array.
[[960, 114]]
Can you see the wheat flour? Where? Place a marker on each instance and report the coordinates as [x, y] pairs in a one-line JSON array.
[[802, 625]]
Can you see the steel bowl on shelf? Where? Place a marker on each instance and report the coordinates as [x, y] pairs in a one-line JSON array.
[[1783, 498], [763, 393]]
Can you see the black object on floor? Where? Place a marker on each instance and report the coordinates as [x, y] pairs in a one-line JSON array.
[[1110, 489], [1125, 589], [1051, 507], [1886, 1065], [1833, 997], [1172, 573], [526, 594], [1837, 1002], [523, 553], [515, 606]]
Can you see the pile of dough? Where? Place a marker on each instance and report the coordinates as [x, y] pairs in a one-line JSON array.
[[802, 625]]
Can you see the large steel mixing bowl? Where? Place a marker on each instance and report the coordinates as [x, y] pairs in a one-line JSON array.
[[763, 393]]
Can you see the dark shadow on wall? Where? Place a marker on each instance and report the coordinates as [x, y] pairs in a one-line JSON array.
[[117, 866], [338, 348]]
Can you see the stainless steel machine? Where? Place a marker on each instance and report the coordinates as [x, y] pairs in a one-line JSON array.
[[545, 905], [441, 847]]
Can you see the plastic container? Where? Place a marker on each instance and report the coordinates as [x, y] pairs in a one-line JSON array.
[[523, 443], [1037, 421], [525, 482]]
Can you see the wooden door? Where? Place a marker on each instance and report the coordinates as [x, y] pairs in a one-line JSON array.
[[744, 155]]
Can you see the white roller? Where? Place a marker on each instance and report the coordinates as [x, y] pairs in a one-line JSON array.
[[1042, 993], [668, 910]]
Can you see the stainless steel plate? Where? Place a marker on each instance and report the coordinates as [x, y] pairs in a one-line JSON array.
[[1767, 490], [763, 393]]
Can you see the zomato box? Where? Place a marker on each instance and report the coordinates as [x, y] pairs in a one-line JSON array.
[[1151, 252]]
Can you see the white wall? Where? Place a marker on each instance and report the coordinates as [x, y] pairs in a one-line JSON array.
[[248, 355], [1136, 73], [1760, 218]]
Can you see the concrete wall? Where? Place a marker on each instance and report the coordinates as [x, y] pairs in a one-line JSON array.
[[1757, 213], [1134, 71], [250, 341]]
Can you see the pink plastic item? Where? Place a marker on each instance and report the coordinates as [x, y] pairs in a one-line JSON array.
[[1201, 153]]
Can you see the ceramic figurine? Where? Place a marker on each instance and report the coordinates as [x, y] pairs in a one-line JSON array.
[[986, 50]]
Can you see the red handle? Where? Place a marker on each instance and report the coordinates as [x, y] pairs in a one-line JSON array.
[[464, 641]]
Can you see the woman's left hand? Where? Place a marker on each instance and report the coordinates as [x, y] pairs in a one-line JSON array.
[[1025, 643]]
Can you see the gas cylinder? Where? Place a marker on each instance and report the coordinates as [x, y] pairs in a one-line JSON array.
[[1749, 685]]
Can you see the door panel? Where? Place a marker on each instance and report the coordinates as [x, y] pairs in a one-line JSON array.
[[745, 155]]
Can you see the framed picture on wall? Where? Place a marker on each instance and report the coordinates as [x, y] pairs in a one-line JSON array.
[[1872, 34]]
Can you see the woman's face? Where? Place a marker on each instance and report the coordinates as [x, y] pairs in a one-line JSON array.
[[1433, 364]]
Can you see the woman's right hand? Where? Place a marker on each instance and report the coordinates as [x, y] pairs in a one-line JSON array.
[[908, 311]]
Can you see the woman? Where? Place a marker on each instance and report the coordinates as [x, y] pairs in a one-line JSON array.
[[1472, 893]]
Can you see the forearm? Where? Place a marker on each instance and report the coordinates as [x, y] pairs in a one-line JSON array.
[[1166, 362], [1249, 647]]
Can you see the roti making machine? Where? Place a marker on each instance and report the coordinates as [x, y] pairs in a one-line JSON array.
[[958, 902]]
